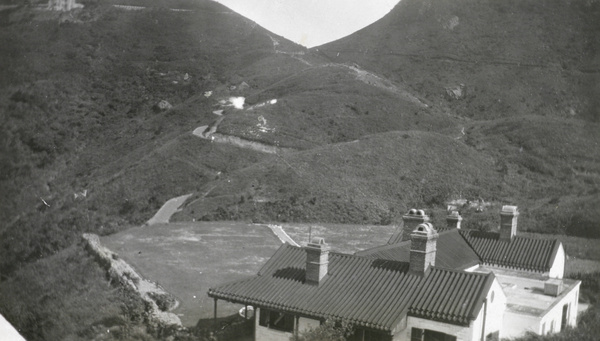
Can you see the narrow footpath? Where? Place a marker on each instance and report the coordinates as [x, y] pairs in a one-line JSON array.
[[163, 215]]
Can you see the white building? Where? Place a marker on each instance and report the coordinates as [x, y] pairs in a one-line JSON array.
[[422, 285]]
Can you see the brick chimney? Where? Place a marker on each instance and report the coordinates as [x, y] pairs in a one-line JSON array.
[[317, 261], [410, 221], [453, 220], [508, 222], [423, 245]]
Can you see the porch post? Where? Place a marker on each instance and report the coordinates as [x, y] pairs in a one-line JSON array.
[[215, 320]]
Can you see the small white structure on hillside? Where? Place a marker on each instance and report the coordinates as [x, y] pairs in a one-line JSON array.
[[63, 5]]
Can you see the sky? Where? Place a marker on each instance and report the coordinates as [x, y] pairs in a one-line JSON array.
[[312, 22]]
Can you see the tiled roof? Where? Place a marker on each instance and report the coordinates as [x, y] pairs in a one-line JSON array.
[[461, 249], [520, 253], [453, 252], [452, 296], [372, 293]]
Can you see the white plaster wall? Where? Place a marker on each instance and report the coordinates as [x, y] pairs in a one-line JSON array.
[[493, 320], [305, 323], [494, 315], [462, 333], [398, 331], [265, 334], [558, 267], [515, 324], [476, 325], [555, 313]]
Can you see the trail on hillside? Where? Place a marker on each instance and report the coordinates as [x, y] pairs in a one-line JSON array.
[[163, 215], [361, 75], [483, 61], [209, 133], [280, 233]]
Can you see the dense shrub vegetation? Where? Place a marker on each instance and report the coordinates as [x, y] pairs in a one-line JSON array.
[[84, 147]]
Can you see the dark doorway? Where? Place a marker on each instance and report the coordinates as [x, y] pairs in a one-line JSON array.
[[429, 335], [565, 317]]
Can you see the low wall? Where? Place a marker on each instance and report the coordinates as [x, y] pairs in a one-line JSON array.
[[150, 292]]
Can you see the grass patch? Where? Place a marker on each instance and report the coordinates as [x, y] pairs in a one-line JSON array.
[[186, 259], [341, 238]]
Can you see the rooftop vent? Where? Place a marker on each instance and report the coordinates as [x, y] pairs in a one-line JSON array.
[[553, 287]]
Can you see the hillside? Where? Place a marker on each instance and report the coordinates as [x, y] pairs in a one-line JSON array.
[[510, 58], [490, 102], [516, 82]]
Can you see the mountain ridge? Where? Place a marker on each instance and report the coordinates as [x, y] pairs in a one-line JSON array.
[[89, 145]]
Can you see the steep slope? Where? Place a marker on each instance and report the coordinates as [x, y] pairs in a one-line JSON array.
[[85, 146], [376, 178], [533, 63], [98, 107], [81, 110], [107, 112], [370, 180], [506, 58]]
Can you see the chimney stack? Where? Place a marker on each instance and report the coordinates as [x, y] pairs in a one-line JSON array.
[[508, 222], [410, 221], [423, 245], [453, 220], [317, 261]]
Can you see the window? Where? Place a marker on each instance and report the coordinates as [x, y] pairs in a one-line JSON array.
[[418, 334], [492, 297], [544, 328], [371, 335], [276, 320], [552, 326]]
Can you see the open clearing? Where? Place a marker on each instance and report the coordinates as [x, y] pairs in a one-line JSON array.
[[188, 258], [342, 237]]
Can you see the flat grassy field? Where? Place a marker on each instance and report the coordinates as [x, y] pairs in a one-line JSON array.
[[188, 258], [344, 238]]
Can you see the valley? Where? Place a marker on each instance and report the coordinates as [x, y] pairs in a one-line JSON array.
[[109, 112]]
